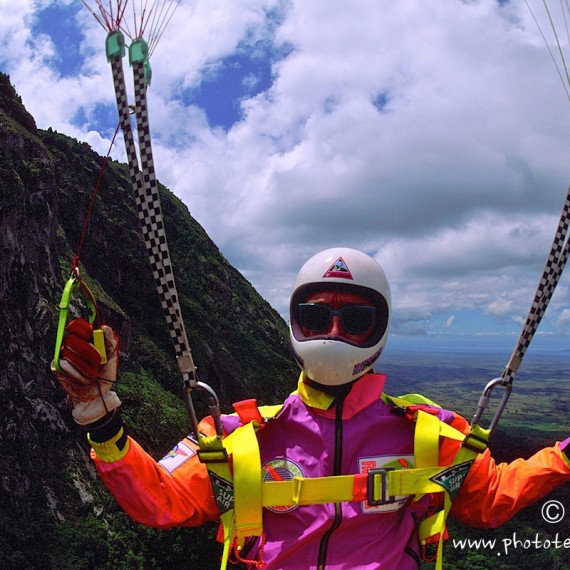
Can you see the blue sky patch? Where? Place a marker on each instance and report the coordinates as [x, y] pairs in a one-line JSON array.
[[381, 101], [235, 78], [102, 117], [231, 80], [60, 24]]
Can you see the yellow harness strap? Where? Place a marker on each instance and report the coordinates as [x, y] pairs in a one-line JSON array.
[[237, 489], [214, 454], [308, 491], [339, 488], [426, 439], [247, 482], [426, 449]]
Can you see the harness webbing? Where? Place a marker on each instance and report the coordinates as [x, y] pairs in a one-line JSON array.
[[147, 197], [555, 263], [339, 488], [248, 494], [241, 492]]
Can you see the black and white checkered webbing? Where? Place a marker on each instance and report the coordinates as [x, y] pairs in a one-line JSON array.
[[149, 211], [125, 120], [554, 266], [154, 232]]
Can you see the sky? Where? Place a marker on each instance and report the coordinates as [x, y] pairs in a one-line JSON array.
[[432, 134]]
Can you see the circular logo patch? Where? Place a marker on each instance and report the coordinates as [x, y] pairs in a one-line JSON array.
[[281, 469]]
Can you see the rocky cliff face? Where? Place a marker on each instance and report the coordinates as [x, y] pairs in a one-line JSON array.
[[49, 492], [29, 276]]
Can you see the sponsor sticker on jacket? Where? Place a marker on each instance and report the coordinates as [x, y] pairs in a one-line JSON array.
[[452, 478], [176, 457], [281, 469], [223, 492]]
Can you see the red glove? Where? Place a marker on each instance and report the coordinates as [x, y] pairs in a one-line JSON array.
[[88, 382]]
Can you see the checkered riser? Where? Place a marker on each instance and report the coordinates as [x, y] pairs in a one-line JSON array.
[[555, 263], [125, 119], [153, 224], [147, 200]]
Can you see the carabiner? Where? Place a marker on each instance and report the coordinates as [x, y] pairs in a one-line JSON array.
[[213, 404], [484, 401]]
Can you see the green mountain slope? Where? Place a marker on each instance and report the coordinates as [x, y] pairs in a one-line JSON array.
[[55, 512]]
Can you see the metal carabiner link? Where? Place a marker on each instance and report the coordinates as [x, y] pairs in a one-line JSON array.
[[506, 383], [213, 404]]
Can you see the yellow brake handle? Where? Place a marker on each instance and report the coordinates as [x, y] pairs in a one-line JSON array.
[[74, 283]]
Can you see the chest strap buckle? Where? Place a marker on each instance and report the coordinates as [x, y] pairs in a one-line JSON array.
[[377, 487]]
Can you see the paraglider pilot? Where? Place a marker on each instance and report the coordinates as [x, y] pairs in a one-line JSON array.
[[338, 422]]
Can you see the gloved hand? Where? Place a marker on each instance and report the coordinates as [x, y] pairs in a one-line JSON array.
[[87, 382]]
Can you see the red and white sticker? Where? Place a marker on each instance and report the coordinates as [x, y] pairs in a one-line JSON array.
[[339, 269], [176, 457], [395, 461]]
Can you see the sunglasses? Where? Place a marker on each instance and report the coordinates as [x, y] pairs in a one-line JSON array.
[[355, 319]]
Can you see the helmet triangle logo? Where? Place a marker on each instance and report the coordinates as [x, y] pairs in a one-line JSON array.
[[339, 269]]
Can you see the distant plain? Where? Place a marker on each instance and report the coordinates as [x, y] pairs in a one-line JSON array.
[[539, 405]]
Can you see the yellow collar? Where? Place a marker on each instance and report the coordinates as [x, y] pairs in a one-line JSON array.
[[313, 397]]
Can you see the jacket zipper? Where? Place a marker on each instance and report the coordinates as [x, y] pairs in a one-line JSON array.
[[337, 470]]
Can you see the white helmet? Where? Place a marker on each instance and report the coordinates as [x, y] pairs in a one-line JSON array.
[[334, 361]]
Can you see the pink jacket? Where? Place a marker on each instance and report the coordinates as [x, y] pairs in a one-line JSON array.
[[307, 439]]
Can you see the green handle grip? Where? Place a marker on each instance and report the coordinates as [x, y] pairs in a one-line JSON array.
[[71, 286]]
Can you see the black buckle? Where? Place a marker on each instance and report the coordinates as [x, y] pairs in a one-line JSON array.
[[385, 499]]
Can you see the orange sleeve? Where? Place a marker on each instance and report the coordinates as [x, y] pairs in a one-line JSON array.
[[173, 492], [493, 493]]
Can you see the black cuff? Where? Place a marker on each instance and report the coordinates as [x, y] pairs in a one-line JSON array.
[[106, 428]]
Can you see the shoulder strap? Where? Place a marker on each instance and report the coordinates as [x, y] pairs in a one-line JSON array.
[[237, 487], [408, 399], [241, 494], [432, 531]]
